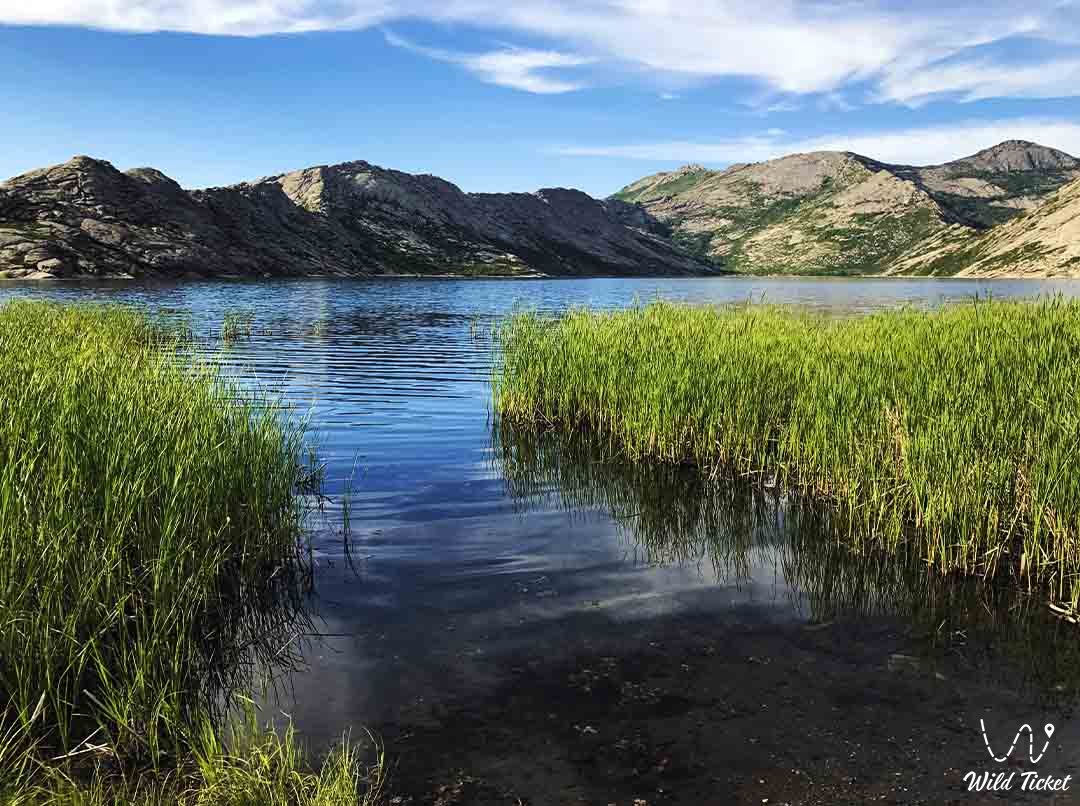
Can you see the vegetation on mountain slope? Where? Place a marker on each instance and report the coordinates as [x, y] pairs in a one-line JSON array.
[[1044, 242], [842, 213]]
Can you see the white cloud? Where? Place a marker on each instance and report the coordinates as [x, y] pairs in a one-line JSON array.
[[794, 47], [978, 80], [215, 17], [900, 52], [928, 145], [518, 68]]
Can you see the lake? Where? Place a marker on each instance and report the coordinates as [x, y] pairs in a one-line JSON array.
[[478, 564]]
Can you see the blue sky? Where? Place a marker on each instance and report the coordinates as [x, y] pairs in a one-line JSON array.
[[519, 94]]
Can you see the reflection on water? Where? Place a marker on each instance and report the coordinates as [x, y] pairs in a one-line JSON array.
[[465, 552], [672, 514], [666, 513]]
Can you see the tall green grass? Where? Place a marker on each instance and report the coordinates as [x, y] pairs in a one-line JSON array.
[[150, 531], [955, 432], [249, 765], [237, 325]]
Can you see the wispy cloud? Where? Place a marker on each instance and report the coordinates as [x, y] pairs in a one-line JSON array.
[[213, 17], [893, 52], [518, 68], [978, 80], [927, 145]]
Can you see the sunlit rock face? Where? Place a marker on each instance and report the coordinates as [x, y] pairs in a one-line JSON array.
[[835, 212], [85, 217]]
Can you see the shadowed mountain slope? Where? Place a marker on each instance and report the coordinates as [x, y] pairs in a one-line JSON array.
[[85, 217]]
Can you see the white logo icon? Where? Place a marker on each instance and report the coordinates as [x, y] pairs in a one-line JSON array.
[[1048, 729]]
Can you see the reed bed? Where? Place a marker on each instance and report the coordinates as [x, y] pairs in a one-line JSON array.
[[150, 544], [954, 433], [252, 766]]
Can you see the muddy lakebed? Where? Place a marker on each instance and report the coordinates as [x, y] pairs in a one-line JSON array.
[[524, 621]]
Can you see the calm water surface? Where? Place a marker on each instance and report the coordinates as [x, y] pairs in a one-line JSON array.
[[462, 551]]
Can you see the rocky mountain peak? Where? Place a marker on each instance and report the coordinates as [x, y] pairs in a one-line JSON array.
[[155, 179], [570, 195], [79, 165], [1017, 155], [800, 174], [80, 179], [82, 162]]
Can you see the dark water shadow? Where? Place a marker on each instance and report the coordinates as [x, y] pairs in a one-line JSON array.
[[996, 632]]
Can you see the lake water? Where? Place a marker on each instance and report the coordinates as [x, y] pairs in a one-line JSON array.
[[465, 550]]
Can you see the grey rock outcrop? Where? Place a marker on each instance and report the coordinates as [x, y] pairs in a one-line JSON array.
[[86, 218]]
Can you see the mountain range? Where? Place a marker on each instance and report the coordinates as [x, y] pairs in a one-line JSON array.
[[1010, 210], [835, 212], [85, 217]]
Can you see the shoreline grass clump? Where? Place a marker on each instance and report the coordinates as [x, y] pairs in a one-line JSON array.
[[955, 431], [252, 765], [237, 325], [150, 544]]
